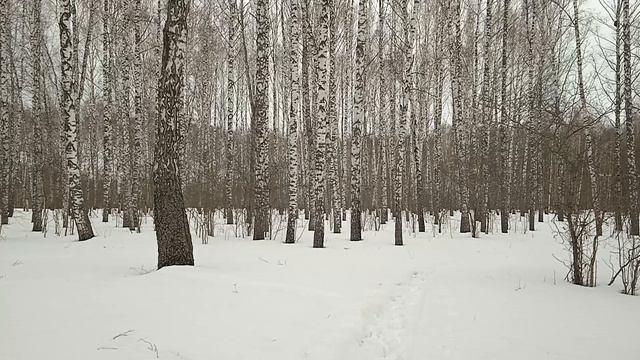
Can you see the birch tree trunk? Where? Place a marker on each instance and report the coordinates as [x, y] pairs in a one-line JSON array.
[[632, 179], [417, 161], [420, 198], [107, 157], [486, 120], [322, 68], [407, 66], [382, 119], [36, 105], [172, 226], [332, 148], [357, 123], [76, 197], [619, 199], [292, 139], [528, 177], [457, 126], [306, 109], [4, 108], [124, 167], [261, 116], [587, 119], [136, 144], [230, 111], [437, 132], [504, 125], [79, 69]]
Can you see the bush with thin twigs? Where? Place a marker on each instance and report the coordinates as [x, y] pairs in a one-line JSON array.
[[627, 253], [578, 234]]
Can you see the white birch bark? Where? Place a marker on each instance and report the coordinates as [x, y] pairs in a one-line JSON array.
[[486, 119], [292, 138], [405, 102], [76, 197], [261, 117], [503, 125], [458, 127], [36, 106], [437, 130], [322, 71], [632, 180], [4, 109], [383, 114], [136, 144], [357, 123], [172, 228], [107, 157], [230, 111], [332, 148], [587, 123]]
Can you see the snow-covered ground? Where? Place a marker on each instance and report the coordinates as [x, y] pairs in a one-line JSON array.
[[437, 297]]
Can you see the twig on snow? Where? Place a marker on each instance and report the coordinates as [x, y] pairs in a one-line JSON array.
[[126, 333]]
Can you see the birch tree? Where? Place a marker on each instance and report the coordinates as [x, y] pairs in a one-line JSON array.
[[414, 124], [107, 157], [307, 45], [628, 115], [136, 145], [4, 107], [486, 119], [382, 120], [587, 122], [292, 138], [503, 126], [172, 227], [322, 71], [528, 177], [230, 110], [458, 126], [124, 168], [332, 147], [619, 198], [357, 123], [76, 197], [36, 104], [261, 117], [407, 66], [437, 124]]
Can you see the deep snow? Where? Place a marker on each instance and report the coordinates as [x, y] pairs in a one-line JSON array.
[[438, 297]]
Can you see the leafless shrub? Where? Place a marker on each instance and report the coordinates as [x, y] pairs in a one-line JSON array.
[[578, 234], [627, 253]]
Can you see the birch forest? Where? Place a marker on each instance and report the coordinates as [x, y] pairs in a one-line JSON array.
[[412, 152], [388, 110]]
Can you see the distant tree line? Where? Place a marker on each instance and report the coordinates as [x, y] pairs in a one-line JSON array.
[[390, 109]]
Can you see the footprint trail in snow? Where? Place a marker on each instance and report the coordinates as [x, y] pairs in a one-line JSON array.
[[388, 329]]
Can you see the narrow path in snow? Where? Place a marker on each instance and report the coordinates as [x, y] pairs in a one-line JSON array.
[[388, 330]]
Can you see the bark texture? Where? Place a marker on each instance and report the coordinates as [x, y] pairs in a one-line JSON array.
[[261, 117], [632, 180], [357, 123], [107, 155], [292, 139], [76, 196], [322, 71], [36, 105], [172, 227], [230, 111]]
